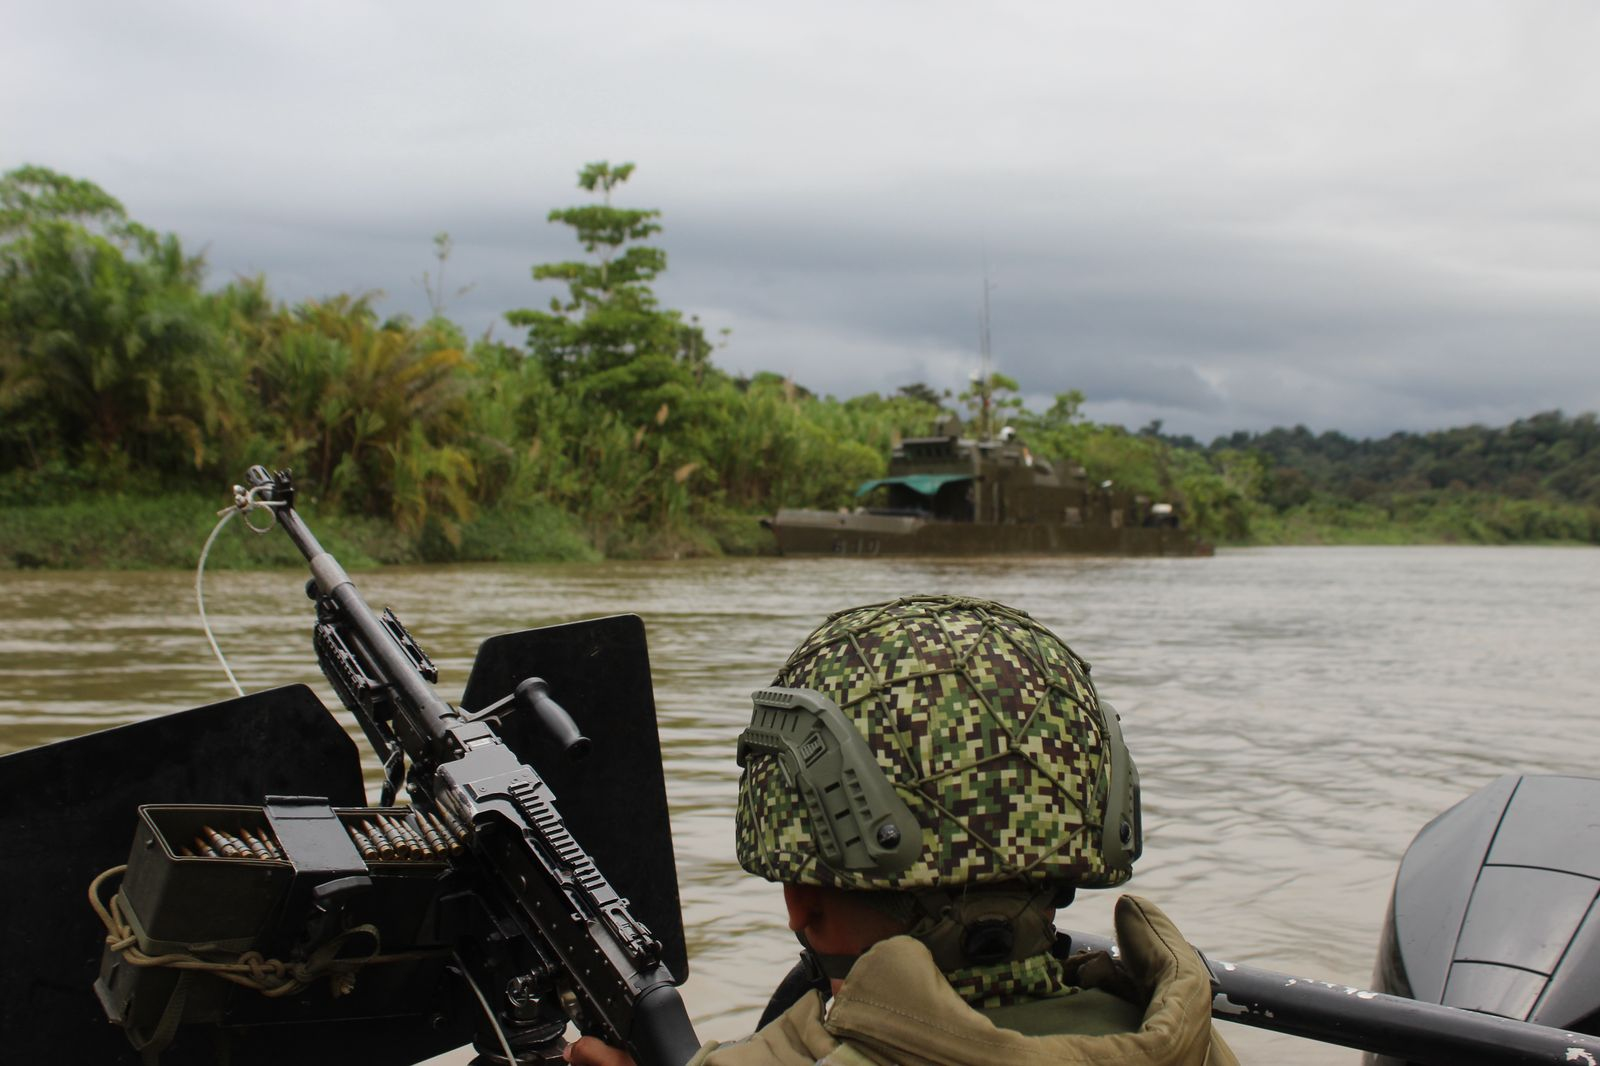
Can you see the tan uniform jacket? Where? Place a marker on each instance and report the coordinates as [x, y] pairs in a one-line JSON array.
[[897, 1008]]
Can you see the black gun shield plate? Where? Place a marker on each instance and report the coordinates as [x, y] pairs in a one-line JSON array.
[[68, 811], [615, 801]]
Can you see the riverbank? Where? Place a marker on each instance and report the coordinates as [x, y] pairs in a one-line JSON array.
[[106, 531], [123, 531], [1428, 517]]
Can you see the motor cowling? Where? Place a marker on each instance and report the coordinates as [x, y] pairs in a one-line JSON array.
[[1494, 906]]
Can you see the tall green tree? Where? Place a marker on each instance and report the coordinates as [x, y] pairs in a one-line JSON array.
[[32, 196], [107, 355], [631, 374], [608, 338]]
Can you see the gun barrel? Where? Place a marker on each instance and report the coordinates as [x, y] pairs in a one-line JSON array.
[[433, 714]]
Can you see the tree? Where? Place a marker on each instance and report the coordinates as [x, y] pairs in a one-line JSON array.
[[609, 338], [106, 352], [33, 196], [434, 285], [372, 413], [1067, 408], [923, 393], [630, 377], [986, 397]]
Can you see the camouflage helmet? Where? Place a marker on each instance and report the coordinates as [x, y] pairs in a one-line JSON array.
[[989, 731]]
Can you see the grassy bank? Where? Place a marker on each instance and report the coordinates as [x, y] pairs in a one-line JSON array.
[[149, 532], [1429, 518]]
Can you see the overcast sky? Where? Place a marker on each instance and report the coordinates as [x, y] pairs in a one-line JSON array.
[[1356, 216]]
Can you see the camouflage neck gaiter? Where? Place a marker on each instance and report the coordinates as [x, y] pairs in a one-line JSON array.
[[1006, 984], [1025, 968]]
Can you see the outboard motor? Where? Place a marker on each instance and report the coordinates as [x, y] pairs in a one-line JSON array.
[[1494, 906]]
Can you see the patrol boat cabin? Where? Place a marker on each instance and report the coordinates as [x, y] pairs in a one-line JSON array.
[[947, 494]]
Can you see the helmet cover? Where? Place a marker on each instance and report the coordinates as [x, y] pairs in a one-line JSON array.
[[989, 729]]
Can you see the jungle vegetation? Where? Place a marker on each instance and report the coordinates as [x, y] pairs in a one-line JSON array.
[[129, 392]]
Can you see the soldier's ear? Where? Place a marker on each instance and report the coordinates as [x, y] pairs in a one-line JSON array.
[[804, 903]]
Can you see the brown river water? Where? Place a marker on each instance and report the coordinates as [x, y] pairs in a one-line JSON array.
[[1296, 714]]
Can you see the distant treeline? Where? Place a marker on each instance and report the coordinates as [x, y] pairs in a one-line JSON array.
[[130, 393], [1536, 479], [1548, 456]]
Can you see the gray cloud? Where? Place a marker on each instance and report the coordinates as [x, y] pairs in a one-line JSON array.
[[1224, 216]]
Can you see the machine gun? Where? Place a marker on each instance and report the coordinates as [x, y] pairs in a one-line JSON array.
[[480, 866]]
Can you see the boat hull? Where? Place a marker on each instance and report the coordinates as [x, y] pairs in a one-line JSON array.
[[806, 532]]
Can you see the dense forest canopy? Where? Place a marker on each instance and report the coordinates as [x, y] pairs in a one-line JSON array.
[[1548, 455], [610, 430]]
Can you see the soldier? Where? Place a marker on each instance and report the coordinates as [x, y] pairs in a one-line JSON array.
[[930, 779]]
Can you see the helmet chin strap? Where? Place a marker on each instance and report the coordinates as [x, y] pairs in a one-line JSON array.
[[981, 926], [823, 967]]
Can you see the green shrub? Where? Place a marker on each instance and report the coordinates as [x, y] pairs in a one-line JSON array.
[[518, 533]]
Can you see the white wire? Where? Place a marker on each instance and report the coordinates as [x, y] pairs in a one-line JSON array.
[[505, 1045], [200, 597], [243, 503]]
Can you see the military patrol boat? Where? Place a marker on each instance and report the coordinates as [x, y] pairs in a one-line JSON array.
[[948, 494]]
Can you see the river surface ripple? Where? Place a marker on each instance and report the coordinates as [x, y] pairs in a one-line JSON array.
[[1296, 714]]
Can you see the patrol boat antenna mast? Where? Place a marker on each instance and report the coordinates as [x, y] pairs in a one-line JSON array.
[[985, 417]]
